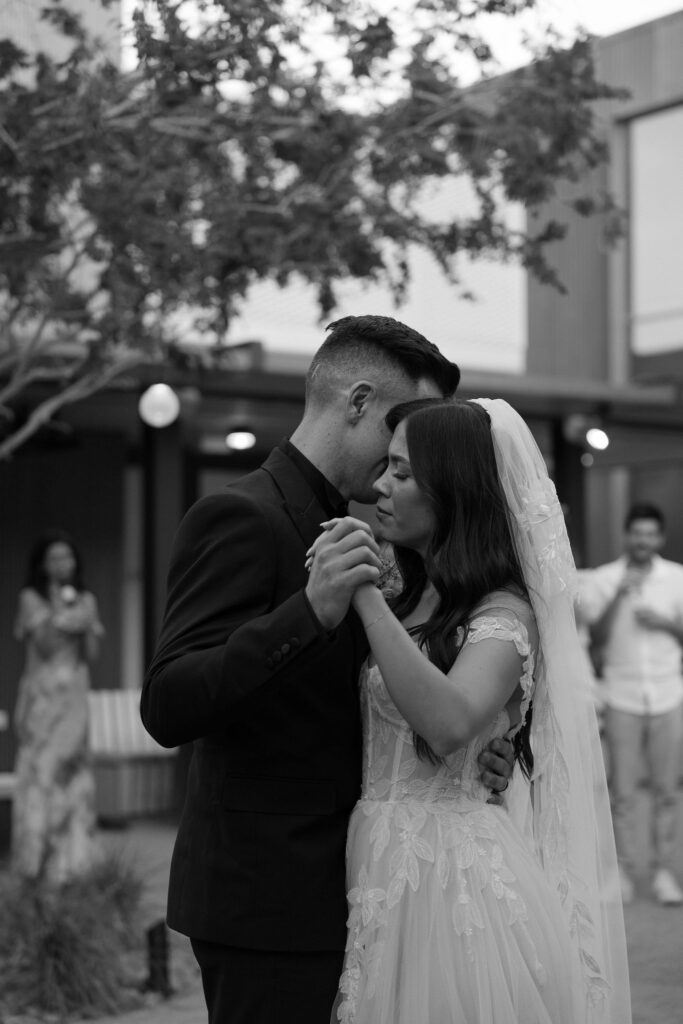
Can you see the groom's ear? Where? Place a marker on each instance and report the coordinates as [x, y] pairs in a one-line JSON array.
[[359, 397]]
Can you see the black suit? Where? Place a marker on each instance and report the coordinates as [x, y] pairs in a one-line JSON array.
[[244, 669]]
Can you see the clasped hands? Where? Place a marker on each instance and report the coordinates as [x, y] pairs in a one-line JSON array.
[[342, 558]]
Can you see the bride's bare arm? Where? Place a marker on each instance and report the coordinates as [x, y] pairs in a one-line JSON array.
[[447, 709]]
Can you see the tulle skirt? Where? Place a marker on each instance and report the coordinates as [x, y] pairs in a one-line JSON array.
[[451, 921]]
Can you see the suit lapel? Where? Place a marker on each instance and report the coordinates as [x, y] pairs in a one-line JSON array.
[[298, 499]]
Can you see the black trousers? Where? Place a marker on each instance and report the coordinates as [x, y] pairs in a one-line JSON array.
[[253, 986]]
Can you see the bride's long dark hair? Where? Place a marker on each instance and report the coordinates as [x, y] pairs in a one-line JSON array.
[[471, 552]]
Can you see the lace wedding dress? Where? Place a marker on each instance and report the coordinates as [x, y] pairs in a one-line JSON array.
[[452, 920]]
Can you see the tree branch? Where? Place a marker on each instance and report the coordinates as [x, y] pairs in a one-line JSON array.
[[75, 392]]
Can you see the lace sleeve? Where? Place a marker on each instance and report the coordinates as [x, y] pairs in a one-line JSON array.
[[504, 623]]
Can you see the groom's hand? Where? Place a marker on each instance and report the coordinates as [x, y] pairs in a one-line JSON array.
[[497, 761], [342, 558]]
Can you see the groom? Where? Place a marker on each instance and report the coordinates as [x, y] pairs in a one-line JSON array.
[[258, 664]]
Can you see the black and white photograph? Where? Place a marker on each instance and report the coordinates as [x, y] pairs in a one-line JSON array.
[[341, 545]]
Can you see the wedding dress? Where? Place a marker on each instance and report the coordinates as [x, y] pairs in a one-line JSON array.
[[452, 920]]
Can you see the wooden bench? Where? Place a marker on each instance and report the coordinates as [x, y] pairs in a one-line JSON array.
[[134, 775]]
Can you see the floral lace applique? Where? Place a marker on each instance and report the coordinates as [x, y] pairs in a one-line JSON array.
[[541, 513], [468, 861]]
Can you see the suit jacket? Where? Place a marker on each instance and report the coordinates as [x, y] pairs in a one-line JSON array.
[[244, 669]]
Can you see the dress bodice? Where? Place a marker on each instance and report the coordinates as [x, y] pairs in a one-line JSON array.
[[391, 768]]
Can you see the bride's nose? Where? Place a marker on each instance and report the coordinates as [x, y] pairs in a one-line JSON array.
[[381, 484]]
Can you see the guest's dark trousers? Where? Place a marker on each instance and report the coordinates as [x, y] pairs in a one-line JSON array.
[[253, 986]]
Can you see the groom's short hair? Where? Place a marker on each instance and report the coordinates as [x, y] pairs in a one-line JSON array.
[[360, 345]]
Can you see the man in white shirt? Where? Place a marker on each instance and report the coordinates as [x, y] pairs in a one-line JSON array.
[[635, 609]]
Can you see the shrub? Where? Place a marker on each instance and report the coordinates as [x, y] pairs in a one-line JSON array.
[[63, 950]]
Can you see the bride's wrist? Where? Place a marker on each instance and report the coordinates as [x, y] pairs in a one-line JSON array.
[[370, 605]]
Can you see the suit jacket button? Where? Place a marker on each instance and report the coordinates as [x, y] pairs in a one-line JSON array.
[[269, 662], [277, 656], [295, 642], [285, 648]]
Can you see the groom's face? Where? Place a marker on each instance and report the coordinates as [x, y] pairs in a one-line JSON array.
[[372, 436]]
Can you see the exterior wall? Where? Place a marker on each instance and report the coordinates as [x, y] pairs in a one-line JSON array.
[[567, 333], [647, 61]]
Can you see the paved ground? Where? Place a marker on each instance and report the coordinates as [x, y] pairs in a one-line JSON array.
[[655, 944], [148, 844], [655, 939]]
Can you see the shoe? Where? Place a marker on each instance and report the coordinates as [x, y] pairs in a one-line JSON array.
[[627, 887], [666, 889]]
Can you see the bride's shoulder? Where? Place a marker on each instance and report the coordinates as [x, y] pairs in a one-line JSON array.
[[508, 603]]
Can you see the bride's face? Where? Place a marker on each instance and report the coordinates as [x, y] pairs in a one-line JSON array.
[[404, 515]]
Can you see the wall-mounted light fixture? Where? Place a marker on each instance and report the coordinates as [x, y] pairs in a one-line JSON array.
[[587, 431], [159, 406], [597, 438]]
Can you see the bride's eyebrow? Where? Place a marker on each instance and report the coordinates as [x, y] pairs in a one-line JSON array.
[[398, 458]]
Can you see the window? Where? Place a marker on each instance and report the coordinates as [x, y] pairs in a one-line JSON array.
[[656, 234]]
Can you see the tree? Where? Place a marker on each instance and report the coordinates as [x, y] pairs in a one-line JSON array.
[[138, 207]]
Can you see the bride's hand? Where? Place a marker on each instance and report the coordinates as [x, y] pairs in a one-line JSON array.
[[348, 525], [342, 558]]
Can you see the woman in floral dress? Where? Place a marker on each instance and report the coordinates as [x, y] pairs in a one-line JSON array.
[[53, 809]]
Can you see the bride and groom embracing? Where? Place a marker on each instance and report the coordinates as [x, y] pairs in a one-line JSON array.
[[339, 855]]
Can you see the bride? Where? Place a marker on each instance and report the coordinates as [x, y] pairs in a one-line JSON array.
[[462, 912]]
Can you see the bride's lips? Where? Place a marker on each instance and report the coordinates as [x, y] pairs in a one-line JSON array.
[[381, 512]]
